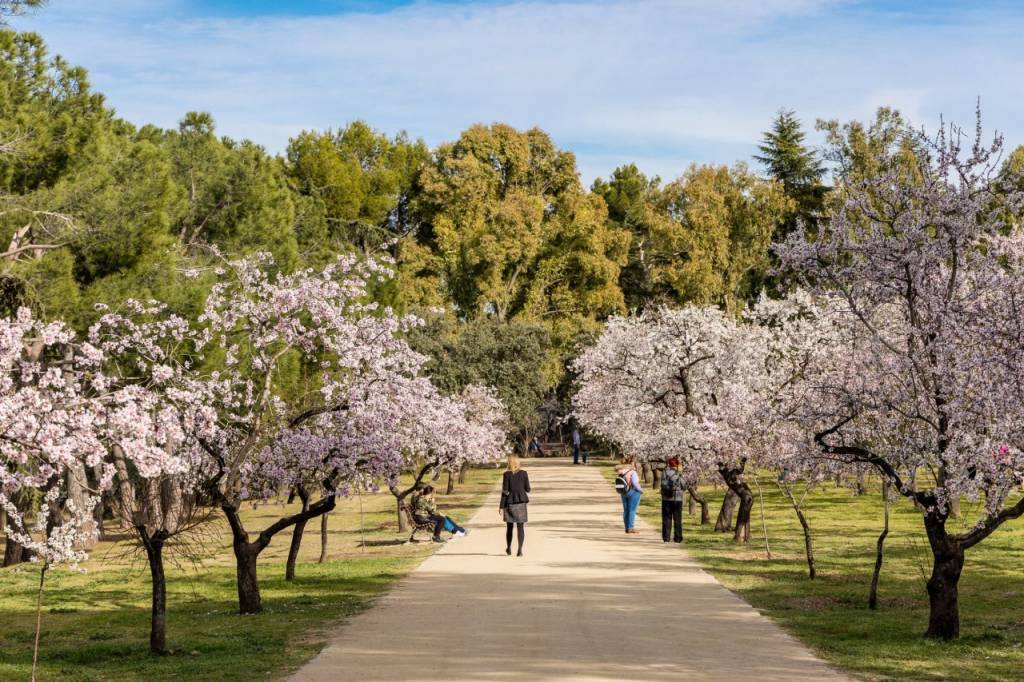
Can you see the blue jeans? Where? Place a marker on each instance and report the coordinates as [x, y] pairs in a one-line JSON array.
[[451, 526], [575, 453], [630, 501]]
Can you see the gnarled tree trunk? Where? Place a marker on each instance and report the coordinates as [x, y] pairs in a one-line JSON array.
[[723, 524], [733, 477], [943, 592], [705, 516]]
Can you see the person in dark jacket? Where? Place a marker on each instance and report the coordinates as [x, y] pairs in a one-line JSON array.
[[672, 501], [515, 485]]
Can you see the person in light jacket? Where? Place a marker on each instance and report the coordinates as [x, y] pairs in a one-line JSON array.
[[515, 486], [631, 498]]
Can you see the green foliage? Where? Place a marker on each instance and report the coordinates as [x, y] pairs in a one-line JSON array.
[[358, 182], [516, 358], [715, 248], [789, 161], [230, 194], [632, 201], [49, 119], [508, 231], [857, 151]]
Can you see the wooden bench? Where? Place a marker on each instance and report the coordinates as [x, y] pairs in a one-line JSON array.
[[553, 449]]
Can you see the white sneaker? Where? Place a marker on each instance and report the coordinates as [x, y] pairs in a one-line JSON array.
[[459, 534]]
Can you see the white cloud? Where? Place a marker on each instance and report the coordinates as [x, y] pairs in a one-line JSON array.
[[659, 80]]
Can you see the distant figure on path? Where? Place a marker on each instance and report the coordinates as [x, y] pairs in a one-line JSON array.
[[535, 447], [424, 510], [672, 501], [515, 485], [631, 492], [577, 441]]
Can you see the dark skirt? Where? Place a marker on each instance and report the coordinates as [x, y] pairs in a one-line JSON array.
[[515, 513]]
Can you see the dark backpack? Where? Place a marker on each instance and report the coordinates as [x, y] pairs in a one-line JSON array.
[[669, 484], [621, 484]]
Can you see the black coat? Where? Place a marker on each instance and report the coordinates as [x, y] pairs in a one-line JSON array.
[[514, 488]]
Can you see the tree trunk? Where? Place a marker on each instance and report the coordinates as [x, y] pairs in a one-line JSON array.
[[323, 539], [297, 531], [724, 522], [15, 553], [861, 487], [293, 550], [689, 504], [249, 600], [451, 484], [733, 477], [705, 516], [742, 531], [403, 523], [462, 473], [943, 597], [154, 546], [879, 548], [656, 478], [812, 570]]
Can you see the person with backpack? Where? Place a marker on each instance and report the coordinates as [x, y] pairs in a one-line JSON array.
[[627, 483], [672, 501]]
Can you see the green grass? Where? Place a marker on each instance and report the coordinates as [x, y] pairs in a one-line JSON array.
[[830, 614], [96, 625]]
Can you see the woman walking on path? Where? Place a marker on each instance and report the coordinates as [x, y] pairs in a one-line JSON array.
[[631, 496], [515, 485], [672, 501]]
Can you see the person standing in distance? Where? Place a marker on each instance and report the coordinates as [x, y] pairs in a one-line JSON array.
[[577, 440], [515, 486], [672, 501]]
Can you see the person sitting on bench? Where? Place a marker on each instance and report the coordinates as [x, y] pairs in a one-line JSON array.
[[424, 510]]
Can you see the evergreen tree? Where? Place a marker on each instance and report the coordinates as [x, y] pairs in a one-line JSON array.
[[791, 162]]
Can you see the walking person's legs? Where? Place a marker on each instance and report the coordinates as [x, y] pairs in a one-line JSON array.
[[508, 538], [625, 511], [677, 522], [575, 454], [633, 501], [520, 536], [666, 519]]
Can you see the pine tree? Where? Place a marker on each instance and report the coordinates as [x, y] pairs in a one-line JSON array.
[[789, 161]]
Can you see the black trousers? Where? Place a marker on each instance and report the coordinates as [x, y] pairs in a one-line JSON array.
[[672, 520]]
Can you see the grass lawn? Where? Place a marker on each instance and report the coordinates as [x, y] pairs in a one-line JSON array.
[[96, 625], [830, 613]]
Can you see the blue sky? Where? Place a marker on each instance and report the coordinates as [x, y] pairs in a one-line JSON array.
[[660, 82]]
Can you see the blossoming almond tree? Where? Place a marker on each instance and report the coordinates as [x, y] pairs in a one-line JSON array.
[[261, 320], [677, 381], [444, 433], [61, 415], [929, 380]]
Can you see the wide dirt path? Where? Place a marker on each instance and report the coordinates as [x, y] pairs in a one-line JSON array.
[[586, 603]]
